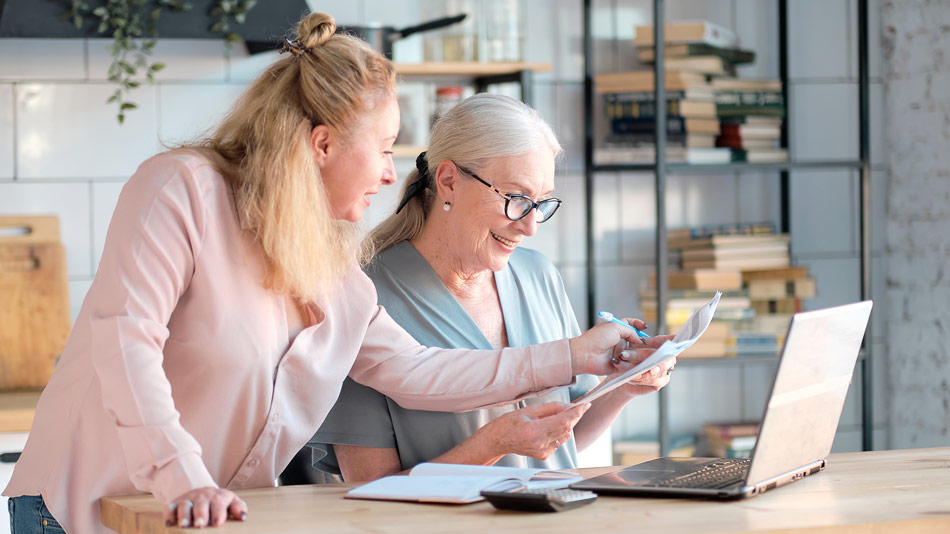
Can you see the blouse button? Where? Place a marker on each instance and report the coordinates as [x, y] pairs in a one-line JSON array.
[[252, 462], [274, 418]]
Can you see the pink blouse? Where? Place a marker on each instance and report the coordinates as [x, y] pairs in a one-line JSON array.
[[180, 373]]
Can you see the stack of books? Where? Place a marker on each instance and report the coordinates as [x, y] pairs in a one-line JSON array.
[[750, 114], [775, 295], [690, 290], [712, 116], [730, 251], [729, 440], [630, 108]]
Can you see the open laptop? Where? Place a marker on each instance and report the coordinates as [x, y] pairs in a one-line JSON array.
[[798, 427]]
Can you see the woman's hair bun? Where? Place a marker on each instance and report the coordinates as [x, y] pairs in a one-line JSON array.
[[316, 29]]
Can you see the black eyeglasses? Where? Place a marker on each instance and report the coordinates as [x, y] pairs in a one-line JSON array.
[[518, 206]]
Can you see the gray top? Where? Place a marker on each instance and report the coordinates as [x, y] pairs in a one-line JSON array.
[[536, 310]]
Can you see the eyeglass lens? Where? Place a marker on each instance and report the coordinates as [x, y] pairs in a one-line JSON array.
[[519, 206]]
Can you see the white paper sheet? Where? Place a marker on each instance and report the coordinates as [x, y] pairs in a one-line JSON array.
[[691, 331]]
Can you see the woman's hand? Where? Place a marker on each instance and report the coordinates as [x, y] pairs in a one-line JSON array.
[[203, 507], [597, 351], [536, 431]]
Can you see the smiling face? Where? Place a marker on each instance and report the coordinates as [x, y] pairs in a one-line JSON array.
[[356, 167], [482, 236]]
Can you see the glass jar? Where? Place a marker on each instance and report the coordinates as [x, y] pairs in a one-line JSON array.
[[458, 42], [502, 31], [446, 97]]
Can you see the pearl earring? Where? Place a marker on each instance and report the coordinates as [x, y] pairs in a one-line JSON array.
[[447, 206]]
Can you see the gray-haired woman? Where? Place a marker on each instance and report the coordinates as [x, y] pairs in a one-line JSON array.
[[451, 271]]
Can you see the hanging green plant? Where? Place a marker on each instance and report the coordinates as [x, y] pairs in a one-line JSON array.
[[132, 24]]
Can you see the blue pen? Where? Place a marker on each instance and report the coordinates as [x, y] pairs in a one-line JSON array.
[[609, 317]]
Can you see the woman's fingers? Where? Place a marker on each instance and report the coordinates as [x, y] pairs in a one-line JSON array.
[[184, 513], [201, 512], [204, 507], [238, 509]]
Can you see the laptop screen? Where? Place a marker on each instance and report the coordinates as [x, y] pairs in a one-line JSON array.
[[809, 390]]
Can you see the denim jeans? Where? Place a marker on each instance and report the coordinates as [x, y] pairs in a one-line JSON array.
[[28, 515]]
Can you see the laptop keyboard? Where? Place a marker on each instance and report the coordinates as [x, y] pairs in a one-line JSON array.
[[716, 475]]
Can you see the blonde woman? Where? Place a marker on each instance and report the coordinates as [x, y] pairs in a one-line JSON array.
[[452, 271], [229, 306]]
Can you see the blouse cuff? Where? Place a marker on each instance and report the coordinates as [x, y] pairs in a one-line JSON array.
[[551, 364], [185, 473]]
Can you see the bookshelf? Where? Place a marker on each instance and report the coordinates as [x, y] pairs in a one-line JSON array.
[[661, 168], [481, 75]]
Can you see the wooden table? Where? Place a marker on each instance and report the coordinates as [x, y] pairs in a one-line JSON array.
[[906, 491]]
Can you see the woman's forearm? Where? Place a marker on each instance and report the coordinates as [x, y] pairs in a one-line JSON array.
[[481, 448]]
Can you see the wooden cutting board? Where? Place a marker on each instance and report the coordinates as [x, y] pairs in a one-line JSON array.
[[34, 300]]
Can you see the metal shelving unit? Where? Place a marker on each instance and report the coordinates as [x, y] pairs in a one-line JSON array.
[[661, 168]]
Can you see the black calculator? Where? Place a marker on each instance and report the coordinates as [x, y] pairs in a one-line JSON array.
[[539, 500]]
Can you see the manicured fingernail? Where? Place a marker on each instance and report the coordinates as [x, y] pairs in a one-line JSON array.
[[243, 516], [200, 522], [184, 523], [168, 523]]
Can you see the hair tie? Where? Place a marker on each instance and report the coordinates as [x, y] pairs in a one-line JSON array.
[[422, 166], [295, 47]]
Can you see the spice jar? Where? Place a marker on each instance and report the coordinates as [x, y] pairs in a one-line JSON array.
[[445, 99]]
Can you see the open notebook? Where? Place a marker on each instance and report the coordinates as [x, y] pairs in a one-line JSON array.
[[456, 483]]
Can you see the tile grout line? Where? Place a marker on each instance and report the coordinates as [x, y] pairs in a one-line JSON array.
[[15, 88], [92, 228]]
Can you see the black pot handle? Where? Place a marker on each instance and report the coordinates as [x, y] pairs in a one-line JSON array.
[[431, 25]]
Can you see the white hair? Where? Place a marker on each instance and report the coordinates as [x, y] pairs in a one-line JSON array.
[[477, 129]]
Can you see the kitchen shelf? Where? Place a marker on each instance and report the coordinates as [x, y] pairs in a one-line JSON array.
[[472, 69]]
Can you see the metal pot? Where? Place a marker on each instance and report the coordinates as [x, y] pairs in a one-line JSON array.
[[381, 37]]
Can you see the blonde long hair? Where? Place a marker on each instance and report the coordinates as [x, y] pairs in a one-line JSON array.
[[263, 149], [479, 128]]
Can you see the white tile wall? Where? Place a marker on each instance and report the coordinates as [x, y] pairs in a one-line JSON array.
[[570, 124], [571, 219], [68, 201], [758, 198], [105, 196], [637, 218], [184, 59], [757, 28], [6, 131], [42, 59], [824, 211], [77, 293], [813, 134], [245, 67], [68, 131], [606, 214], [188, 110], [819, 39], [704, 394]]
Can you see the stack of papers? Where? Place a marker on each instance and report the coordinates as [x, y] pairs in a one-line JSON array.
[[691, 331]]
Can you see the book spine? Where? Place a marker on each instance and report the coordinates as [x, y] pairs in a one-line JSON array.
[[675, 125], [635, 109]]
